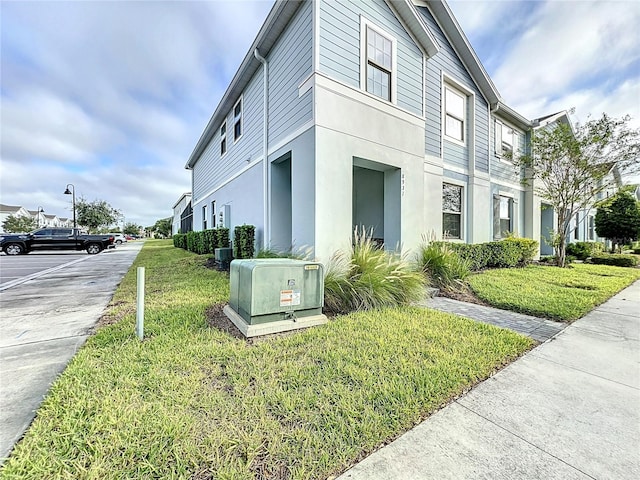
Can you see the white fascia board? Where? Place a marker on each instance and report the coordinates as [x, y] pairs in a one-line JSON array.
[[451, 29], [417, 30], [277, 21]]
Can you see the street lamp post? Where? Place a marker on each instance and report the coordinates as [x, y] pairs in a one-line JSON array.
[[40, 210], [72, 192]]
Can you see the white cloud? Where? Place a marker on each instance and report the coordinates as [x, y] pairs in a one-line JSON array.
[[112, 96]]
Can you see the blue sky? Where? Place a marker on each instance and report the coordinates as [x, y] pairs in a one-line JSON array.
[[112, 96]]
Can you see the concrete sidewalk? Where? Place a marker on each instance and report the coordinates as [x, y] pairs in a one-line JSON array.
[[44, 322], [569, 409]]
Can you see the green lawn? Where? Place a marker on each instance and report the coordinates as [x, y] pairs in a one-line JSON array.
[[194, 402], [564, 294]]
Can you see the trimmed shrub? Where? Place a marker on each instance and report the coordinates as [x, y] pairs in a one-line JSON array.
[[196, 242], [615, 260], [366, 277], [443, 267], [209, 240], [243, 241], [528, 249], [583, 250], [180, 240], [506, 253], [221, 237]]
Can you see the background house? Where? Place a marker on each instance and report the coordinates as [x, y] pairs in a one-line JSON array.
[[8, 210], [180, 224], [364, 113]]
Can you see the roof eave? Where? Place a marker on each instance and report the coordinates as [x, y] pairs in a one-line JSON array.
[[448, 22], [278, 18]]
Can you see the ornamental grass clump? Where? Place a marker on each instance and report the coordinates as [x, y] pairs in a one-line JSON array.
[[443, 267], [366, 277]]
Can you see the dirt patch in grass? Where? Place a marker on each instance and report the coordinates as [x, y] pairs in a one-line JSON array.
[[218, 320], [463, 294]]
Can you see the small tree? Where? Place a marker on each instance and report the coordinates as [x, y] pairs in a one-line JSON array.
[[163, 227], [19, 224], [618, 219], [571, 166], [131, 229], [96, 214]]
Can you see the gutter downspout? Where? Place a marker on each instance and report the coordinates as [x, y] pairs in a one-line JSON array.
[[265, 148]]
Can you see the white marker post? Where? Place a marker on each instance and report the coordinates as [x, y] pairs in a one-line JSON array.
[[140, 304]]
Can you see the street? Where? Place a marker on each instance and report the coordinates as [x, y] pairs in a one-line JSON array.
[[15, 269], [48, 303]]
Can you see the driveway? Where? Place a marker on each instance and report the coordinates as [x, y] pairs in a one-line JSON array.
[[45, 320]]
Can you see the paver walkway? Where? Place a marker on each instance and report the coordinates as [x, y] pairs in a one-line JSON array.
[[539, 329]]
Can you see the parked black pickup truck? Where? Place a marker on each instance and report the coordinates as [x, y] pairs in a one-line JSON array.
[[54, 239]]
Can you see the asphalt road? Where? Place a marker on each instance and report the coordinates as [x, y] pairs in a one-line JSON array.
[[15, 269], [45, 318]]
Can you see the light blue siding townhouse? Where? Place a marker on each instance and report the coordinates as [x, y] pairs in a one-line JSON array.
[[372, 113]]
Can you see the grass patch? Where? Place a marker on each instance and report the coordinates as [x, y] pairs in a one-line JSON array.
[[564, 294], [193, 402]]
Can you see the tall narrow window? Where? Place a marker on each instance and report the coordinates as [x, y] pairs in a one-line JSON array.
[[451, 211], [237, 120], [379, 64], [576, 232], [213, 214], [455, 113], [502, 216], [592, 227], [223, 138], [204, 217]]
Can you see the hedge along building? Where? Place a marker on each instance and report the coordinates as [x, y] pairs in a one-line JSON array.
[[371, 113]]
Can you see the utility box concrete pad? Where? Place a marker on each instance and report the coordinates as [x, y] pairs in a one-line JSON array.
[[274, 291]]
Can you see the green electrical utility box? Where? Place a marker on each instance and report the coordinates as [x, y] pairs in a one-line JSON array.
[[276, 289]]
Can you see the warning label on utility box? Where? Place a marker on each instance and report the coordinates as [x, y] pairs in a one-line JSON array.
[[289, 298]]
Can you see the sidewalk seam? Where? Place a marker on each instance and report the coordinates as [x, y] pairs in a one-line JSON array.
[[524, 440], [533, 354]]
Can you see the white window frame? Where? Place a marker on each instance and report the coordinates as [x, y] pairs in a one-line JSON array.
[[499, 235], [204, 217], [213, 214], [499, 128], [238, 118], [465, 113], [223, 139], [463, 208], [364, 25], [591, 229]]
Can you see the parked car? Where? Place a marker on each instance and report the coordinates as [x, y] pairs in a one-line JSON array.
[[118, 238], [54, 239]]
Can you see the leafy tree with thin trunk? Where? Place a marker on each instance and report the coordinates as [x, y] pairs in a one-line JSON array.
[[569, 167], [131, 229], [95, 215], [163, 227], [19, 224], [618, 219]]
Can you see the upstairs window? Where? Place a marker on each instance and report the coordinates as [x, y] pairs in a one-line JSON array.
[[379, 64], [237, 120], [506, 140], [223, 138], [451, 211], [454, 124]]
